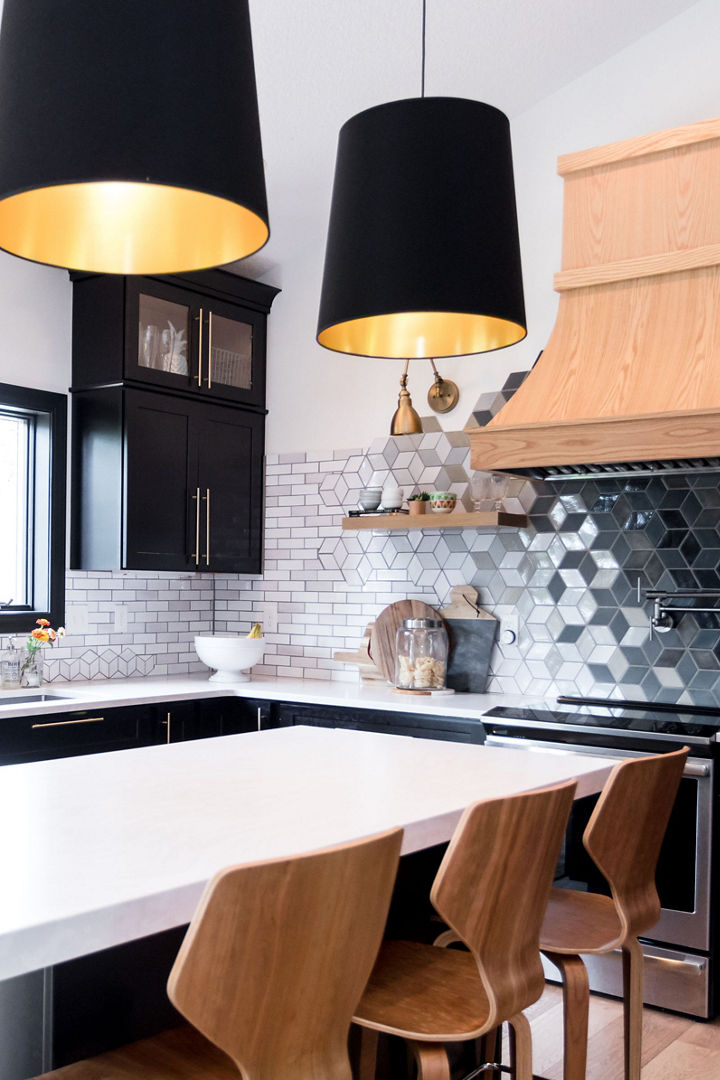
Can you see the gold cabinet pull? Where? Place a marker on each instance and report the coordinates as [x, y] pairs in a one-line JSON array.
[[210, 317], [168, 723], [196, 553], [67, 723], [206, 498], [200, 332]]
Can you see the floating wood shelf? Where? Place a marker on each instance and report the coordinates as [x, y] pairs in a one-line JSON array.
[[491, 519]]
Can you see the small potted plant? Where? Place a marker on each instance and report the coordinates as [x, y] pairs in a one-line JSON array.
[[416, 502]]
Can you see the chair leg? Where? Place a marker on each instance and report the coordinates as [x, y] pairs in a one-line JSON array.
[[520, 1047], [576, 1003], [491, 1046], [432, 1060], [367, 1063], [633, 1007]]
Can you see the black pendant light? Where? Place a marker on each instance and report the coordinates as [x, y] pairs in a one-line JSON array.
[[129, 134], [423, 255]]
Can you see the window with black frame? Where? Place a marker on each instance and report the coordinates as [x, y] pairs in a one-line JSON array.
[[33, 439]]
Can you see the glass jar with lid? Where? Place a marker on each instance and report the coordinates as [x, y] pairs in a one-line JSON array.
[[421, 649]]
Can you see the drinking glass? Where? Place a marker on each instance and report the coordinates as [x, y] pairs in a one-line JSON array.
[[151, 346], [488, 490]]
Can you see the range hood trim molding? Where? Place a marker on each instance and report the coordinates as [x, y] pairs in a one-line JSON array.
[[603, 441]]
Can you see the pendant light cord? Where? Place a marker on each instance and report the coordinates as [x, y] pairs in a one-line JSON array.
[[422, 75]]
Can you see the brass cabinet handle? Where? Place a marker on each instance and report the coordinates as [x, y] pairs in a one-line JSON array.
[[207, 526], [67, 723], [199, 374], [210, 317], [196, 553], [168, 721]]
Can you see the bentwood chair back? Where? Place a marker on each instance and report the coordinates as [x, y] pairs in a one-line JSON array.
[[626, 830], [270, 971], [623, 837], [278, 954], [492, 888]]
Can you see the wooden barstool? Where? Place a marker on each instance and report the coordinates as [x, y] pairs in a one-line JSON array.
[[623, 837], [270, 971], [491, 888]]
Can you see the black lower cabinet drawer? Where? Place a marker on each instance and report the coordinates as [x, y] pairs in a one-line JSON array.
[[89, 731], [285, 714]]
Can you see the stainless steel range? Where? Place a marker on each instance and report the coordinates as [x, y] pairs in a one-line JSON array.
[[682, 957]]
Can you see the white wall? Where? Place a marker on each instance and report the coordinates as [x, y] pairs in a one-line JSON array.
[[35, 325]]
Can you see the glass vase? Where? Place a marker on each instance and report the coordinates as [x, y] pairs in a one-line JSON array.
[[31, 673]]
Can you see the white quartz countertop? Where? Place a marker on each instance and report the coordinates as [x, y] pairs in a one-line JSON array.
[[115, 692], [106, 848]]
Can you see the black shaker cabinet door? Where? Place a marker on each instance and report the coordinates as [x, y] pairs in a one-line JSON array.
[[230, 452], [160, 464]]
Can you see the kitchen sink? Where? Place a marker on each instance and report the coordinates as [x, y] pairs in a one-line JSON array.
[[23, 699]]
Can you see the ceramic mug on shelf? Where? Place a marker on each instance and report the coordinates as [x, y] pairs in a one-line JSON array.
[[443, 502], [392, 497], [369, 498]]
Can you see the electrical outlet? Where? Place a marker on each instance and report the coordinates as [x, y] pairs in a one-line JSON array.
[[78, 618], [121, 619], [267, 615], [509, 634]]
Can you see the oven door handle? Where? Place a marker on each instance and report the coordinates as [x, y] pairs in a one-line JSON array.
[[558, 748], [695, 768]]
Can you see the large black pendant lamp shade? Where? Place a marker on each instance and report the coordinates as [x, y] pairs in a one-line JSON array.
[[423, 256], [129, 134]]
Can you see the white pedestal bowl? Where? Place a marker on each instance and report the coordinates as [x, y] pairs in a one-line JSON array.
[[230, 654]]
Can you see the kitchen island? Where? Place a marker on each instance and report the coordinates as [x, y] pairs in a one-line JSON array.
[[112, 847], [105, 855]]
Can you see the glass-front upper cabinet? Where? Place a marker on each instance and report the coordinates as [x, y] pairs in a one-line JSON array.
[[201, 333], [179, 339]]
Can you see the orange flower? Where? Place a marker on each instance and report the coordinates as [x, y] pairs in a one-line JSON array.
[[41, 622], [52, 634], [40, 635]]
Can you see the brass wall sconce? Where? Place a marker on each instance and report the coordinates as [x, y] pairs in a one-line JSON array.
[[405, 420], [443, 395]]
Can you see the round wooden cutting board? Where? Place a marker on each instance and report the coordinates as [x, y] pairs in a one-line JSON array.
[[382, 639]]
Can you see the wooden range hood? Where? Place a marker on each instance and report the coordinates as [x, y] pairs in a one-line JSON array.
[[631, 373]]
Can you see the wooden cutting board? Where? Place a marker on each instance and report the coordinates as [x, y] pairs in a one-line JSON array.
[[472, 634], [382, 638]]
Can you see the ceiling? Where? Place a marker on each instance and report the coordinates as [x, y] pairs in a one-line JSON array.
[[318, 62]]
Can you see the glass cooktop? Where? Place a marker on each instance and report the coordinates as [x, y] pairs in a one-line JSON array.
[[645, 716]]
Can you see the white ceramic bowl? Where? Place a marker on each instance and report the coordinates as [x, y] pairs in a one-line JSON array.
[[230, 654]]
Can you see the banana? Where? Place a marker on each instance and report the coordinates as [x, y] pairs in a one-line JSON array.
[[256, 631]]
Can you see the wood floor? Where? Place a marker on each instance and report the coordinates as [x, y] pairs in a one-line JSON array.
[[674, 1048]]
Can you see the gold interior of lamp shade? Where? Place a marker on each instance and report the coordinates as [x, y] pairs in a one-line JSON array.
[[420, 334], [128, 228]]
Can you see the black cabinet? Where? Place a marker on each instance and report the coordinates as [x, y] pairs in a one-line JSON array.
[[93, 731], [198, 333], [164, 477], [205, 718], [162, 482], [87, 731], [453, 729]]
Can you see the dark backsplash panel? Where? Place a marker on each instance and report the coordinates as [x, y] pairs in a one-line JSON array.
[[588, 546]]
